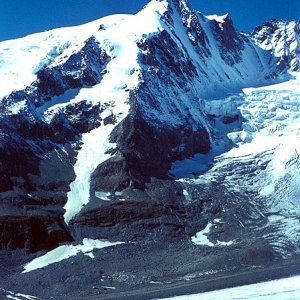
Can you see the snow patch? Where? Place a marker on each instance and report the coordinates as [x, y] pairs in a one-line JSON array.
[[201, 237], [267, 190], [103, 196], [18, 296], [66, 251], [219, 19], [109, 287], [45, 110], [187, 195], [229, 243], [16, 107]]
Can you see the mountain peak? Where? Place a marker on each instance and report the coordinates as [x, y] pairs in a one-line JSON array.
[[182, 6], [174, 2]]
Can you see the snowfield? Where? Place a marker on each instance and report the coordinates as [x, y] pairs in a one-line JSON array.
[[283, 289]]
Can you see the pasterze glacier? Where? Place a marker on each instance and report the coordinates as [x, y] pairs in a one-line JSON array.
[[149, 156]]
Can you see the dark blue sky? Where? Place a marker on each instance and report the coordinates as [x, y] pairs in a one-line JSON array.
[[21, 17]]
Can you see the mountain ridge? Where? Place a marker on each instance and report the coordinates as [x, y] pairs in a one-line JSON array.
[[157, 55]]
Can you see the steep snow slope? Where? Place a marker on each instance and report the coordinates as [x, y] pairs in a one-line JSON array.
[[122, 73]]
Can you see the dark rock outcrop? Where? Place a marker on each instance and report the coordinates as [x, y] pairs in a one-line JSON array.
[[37, 157], [145, 151], [31, 232]]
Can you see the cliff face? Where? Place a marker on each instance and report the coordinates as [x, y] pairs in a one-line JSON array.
[[280, 42], [94, 112]]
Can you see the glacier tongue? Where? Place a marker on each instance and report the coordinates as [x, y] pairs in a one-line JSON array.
[[92, 153]]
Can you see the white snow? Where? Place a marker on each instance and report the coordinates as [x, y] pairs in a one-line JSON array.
[[220, 19], [201, 237], [22, 296], [267, 190], [283, 289], [66, 251], [92, 153], [103, 196], [18, 296], [16, 108], [109, 287], [229, 243], [187, 195], [57, 102]]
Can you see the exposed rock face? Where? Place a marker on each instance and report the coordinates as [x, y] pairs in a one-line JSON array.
[[83, 68], [137, 144], [33, 233], [154, 105], [160, 212], [231, 43], [32, 159]]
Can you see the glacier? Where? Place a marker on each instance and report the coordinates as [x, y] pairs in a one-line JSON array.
[[283, 289]]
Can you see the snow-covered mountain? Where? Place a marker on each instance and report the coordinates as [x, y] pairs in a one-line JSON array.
[[281, 40], [154, 126]]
